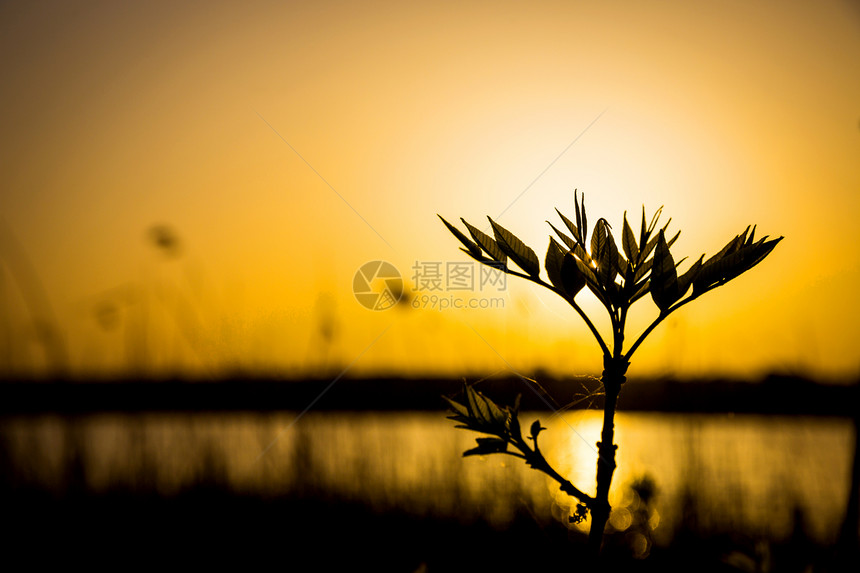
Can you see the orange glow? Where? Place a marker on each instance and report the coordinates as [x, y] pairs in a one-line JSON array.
[[287, 144]]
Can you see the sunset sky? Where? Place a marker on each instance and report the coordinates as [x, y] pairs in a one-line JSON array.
[[281, 145]]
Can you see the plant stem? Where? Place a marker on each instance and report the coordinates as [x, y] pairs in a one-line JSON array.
[[535, 459], [613, 377], [575, 306]]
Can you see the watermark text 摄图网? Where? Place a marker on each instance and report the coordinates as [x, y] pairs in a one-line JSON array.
[[436, 285], [443, 302], [448, 276]]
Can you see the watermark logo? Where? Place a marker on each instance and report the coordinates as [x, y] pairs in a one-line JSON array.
[[438, 285], [377, 285]]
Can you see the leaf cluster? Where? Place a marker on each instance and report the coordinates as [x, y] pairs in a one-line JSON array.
[[480, 414], [618, 278]]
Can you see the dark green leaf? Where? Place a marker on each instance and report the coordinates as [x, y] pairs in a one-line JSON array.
[[686, 279], [563, 271], [472, 247], [628, 242], [643, 269], [536, 429], [730, 248], [671, 241], [598, 240], [571, 226], [484, 410], [521, 254], [664, 277], [599, 292], [580, 253], [513, 422], [581, 219], [572, 278], [552, 263], [458, 408], [480, 258], [487, 243], [640, 290], [586, 271], [649, 246], [604, 252], [487, 446], [654, 220], [571, 244], [718, 271], [616, 295], [620, 264], [609, 264], [749, 240], [477, 406]]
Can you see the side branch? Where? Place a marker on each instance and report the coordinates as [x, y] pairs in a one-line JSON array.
[[501, 427], [656, 322], [591, 327], [536, 460]]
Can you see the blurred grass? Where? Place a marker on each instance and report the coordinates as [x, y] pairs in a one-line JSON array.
[[352, 489]]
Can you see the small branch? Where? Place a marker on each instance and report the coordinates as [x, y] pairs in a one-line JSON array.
[[536, 460], [591, 327], [669, 311], [603, 347], [619, 320], [480, 414], [656, 322]]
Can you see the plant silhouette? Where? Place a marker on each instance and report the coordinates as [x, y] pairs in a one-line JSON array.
[[618, 279]]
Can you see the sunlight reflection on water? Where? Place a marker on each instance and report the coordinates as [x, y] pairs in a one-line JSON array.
[[741, 472]]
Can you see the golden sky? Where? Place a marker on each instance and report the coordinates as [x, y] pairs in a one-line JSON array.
[[288, 143]]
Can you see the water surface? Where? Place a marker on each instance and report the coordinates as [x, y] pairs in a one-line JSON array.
[[747, 473]]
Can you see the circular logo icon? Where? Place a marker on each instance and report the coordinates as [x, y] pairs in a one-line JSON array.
[[377, 285]]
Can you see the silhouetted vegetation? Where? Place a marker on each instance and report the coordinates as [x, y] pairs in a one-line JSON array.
[[209, 524], [618, 280]]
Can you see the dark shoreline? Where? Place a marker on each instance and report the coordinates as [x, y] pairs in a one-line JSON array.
[[774, 394]]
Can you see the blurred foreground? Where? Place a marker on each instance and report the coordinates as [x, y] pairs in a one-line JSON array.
[[389, 490]]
